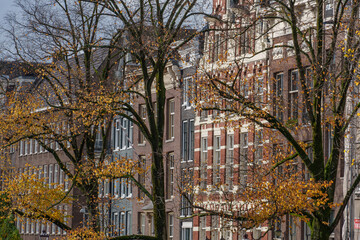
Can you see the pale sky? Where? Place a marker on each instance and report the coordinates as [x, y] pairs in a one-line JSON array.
[[5, 7]]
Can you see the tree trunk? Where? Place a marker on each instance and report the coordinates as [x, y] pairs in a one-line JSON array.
[[92, 205], [319, 230], [158, 176]]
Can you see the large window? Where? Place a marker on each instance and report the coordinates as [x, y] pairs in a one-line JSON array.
[[243, 159], [230, 160], [99, 139], [217, 160], [258, 146], [292, 228], [122, 224], [293, 95], [141, 179], [141, 223], [191, 140], [203, 163], [128, 223], [216, 48], [171, 225], [50, 175], [142, 113], [278, 100], [170, 174], [310, 86], [185, 138], [215, 223], [171, 118], [117, 133], [186, 231], [202, 227], [187, 91]]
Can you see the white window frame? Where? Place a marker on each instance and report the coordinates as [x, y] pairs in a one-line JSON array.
[[217, 159], [171, 119], [191, 149], [51, 176], [185, 143], [171, 225]]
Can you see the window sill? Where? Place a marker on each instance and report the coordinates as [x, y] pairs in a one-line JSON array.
[[169, 199], [170, 140]]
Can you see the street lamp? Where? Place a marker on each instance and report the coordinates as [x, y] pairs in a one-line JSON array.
[[44, 235]]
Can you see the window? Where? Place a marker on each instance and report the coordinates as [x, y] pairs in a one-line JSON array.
[[258, 147], [26, 147], [124, 133], [21, 147], [292, 228], [115, 223], [230, 160], [186, 231], [243, 159], [216, 46], [106, 187], [32, 226], [66, 179], [217, 160], [278, 99], [152, 232], [37, 227], [245, 87], [99, 139], [215, 220], [142, 113], [142, 222], [50, 175], [27, 225], [45, 173], [202, 227], [30, 146], [61, 177], [56, 173], [171, 225], [122, 224], [128, 223], [204, 115], [53, 229], [259, 91], [187, 91], [141, 179], [41, 149], [116, 188], [128, 188], [130, 134], [329, 8], [310, 86], [277, 52], [123, 188], [170, 175], [35, 146], [245, 42], [171, 118], [293, 95], [185, 141], [307, 231], [117, 132], [203, 163], [191, 141]]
